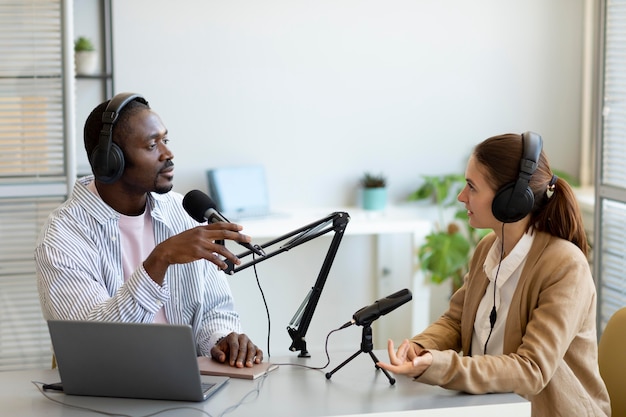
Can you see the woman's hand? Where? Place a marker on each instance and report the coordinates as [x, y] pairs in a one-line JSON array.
[[410, 359]]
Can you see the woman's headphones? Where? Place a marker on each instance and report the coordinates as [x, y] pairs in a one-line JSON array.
[[107, 159], [515, 200]]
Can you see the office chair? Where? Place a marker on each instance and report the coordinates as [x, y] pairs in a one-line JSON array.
[[612, 360]]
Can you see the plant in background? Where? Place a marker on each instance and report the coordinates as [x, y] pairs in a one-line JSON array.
[[85, 56], [83, 44], [369, 180], [447, 249], [373, 191]]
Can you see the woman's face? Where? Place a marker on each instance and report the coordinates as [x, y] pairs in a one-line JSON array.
[[477, 196]]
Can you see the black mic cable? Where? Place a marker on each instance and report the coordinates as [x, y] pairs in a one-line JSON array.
[[494, 315]]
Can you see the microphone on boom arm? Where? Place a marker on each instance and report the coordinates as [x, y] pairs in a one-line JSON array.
[[202, 208]]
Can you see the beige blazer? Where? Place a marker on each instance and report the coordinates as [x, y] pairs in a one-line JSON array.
[[550, 342]]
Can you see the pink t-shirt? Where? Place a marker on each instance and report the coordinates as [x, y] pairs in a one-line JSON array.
[[137, 243], [137, 238]]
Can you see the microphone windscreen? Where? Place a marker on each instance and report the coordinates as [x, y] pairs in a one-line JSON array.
[[196, 203]]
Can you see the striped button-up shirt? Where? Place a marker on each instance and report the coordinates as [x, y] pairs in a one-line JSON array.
[[80, 277]]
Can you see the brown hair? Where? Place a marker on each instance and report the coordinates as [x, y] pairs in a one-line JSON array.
[[558, 215]]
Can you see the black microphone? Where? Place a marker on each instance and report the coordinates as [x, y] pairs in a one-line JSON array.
[[202, 208], [367, 315]]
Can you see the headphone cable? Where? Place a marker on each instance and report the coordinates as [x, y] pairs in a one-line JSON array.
[[494, 315]]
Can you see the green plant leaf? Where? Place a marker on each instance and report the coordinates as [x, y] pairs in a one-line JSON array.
[[83, 44], [427, 190], [441, 189], [369, 180], [443, 255]]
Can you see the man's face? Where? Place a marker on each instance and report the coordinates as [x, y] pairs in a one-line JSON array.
[[148, 160]]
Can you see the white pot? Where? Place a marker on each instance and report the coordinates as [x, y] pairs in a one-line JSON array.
[[86, 62]]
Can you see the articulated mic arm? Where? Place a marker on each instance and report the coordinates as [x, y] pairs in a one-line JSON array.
[[299, 324]]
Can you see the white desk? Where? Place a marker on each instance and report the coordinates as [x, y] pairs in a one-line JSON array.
[[408, 218], [357, 389], [377, 257]]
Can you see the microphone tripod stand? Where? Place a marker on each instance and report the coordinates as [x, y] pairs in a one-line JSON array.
[[366, 347]]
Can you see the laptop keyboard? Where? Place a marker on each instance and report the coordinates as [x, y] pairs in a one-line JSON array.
[[207, 386]]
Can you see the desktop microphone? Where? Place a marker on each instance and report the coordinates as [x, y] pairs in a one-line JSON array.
[[367, 315], [202, 208]]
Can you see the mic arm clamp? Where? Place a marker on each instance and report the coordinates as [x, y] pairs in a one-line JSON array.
[[335, 222]]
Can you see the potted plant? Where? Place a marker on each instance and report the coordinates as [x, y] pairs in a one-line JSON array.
[[447, 249], [374, 191], [85, 56]]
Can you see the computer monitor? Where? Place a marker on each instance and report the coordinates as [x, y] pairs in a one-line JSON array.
[[239, 191]]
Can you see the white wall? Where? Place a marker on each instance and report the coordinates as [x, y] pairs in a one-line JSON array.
[[321, 91]]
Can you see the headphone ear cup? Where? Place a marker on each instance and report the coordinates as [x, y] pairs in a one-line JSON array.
[[515, 200], [107, 158], [509, 205], [107, 166]]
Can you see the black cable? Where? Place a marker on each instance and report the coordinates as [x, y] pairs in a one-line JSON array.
[[325, 351], [267, 310], [494, 315]]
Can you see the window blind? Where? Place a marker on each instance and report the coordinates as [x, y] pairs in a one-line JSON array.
[[34, 164], [31, 91], [610, 251], [24, 339]]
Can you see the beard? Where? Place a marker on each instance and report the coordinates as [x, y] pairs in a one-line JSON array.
[[163, 189]]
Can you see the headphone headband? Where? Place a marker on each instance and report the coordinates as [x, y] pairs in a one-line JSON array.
[[532, 144]]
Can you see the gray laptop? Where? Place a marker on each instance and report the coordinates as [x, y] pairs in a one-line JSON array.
[[131, 360]]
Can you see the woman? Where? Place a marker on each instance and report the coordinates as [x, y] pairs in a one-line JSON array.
[[525, 319]]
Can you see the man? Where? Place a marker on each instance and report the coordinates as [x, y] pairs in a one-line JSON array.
[[122, 248]]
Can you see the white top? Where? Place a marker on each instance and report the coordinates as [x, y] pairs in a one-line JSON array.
[[505, 276]]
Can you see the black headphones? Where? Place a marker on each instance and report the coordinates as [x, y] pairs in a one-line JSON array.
[[515, 200], [107, 159]]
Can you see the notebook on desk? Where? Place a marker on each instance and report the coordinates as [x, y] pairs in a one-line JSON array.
[[209, 366], [130, 360]]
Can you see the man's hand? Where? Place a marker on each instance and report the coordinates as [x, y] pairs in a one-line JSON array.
[[192, 245], [238, 349]]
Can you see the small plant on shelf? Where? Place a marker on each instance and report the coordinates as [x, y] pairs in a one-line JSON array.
[[85, 56], [83, 44], [369, 180], [373, 191]]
